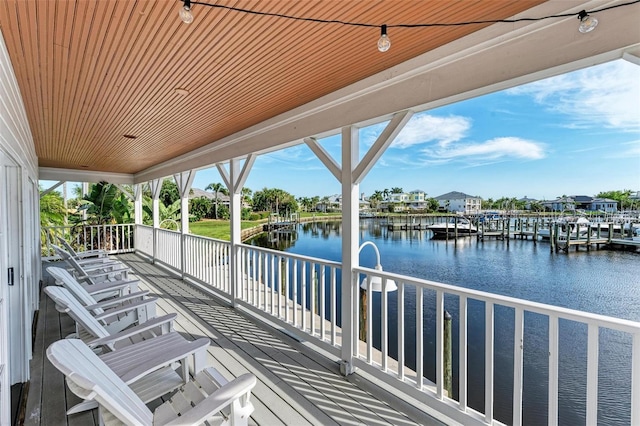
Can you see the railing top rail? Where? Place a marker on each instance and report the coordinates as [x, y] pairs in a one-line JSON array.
[[541, 308], [200, 237], [169, 231], [294, 256]]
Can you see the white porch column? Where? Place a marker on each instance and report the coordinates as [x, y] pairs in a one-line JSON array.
[[137, 204], [235, 180], [155, 185], [350, 174], [350, 240], [184, 181]]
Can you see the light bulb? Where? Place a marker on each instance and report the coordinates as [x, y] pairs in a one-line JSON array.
[[185, 13], [587, 23], [383, 42]]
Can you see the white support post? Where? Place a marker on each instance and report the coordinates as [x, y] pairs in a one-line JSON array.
[[184, 181], [350, 240], [85, 191], [235, 180], [156, 186], [137, 204]]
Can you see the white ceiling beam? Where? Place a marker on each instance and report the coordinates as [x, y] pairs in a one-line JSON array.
[[383, 141], [74, 175], [325, 157]]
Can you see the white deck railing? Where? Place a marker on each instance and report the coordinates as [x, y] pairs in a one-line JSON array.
[[207, 261], [168, 248], [116, 238], [302, 294]]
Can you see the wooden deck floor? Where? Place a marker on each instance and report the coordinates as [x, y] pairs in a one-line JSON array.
[[296, 386]]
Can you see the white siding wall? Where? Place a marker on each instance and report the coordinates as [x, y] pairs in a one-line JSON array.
[[19, 233]]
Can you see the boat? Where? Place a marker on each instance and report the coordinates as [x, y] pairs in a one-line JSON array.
[[455, 225], [578, 227]]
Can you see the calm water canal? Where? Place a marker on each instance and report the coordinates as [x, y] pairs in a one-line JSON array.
[[599, 281]]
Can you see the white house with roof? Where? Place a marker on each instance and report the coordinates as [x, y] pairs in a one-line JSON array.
[[459, 202]]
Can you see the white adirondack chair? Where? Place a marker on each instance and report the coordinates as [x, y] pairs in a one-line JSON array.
[[87, 261], [199, 401], [97, 253], [98, 290], [93, 273], [144, 356], [115, 314]]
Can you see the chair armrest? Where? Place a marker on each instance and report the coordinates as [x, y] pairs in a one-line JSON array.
[[96, 273], [132, 331], [98, 267], [216, 401], [127, 308], [108, 286], [119, 300]]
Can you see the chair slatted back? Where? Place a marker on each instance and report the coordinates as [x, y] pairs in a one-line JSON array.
[[90, 378], [75, 288], [79, 313]]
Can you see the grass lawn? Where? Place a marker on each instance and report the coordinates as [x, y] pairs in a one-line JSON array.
[[219, 229]]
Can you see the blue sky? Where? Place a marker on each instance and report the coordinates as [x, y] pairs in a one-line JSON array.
[[574, 134]]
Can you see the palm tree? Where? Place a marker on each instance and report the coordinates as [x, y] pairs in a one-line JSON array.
[[216, 188], [396, 190]]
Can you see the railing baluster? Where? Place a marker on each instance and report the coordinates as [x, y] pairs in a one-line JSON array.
[[312, 304], [553, 370], [303, 289], [401, 331], [635, 379], [294, 289], [462, 375], [369, 322], [419, 337], [333, 305], [488, 362], [439, 344], [592, 375], [272, 291], [322, 294], [518, 354], [384, 335], [285, 289]]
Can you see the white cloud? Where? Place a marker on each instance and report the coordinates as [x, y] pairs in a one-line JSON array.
[[493, 149], [424, 128], [606, 95]]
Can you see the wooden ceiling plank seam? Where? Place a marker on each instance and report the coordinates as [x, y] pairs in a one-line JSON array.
[[41, 35], [60, 62], [70, 81], [86, 126], [153, 73], [85, 117], [79, 73], [117, 41], [34, 54], [177, 73], [126, 90], [120, 68]]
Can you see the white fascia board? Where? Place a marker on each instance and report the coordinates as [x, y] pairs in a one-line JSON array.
[[494, 58], [74, 175]]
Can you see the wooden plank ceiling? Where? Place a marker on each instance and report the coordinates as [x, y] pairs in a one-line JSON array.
[[105, 82]]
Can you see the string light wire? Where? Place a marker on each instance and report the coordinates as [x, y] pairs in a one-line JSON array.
[[426, 25]]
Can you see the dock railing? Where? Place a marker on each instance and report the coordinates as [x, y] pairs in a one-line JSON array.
[[404, 341]]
